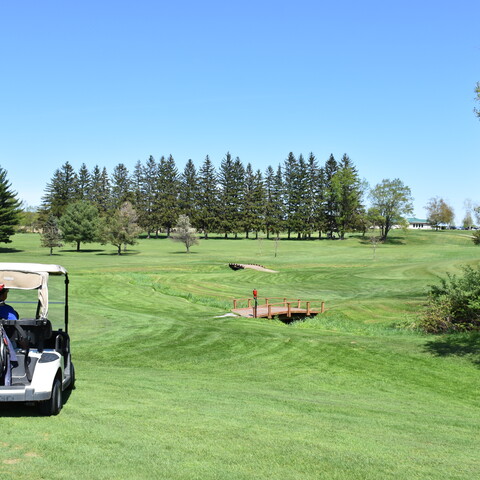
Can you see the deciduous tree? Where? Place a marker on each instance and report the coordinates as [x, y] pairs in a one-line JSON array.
[[391, 202], [467, 221], [439, 212], [476, 211], [477, 98], [330, 200], [185, 233], [347, 194], [120, 228]]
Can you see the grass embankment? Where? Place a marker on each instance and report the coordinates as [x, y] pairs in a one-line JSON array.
[[166, 390]]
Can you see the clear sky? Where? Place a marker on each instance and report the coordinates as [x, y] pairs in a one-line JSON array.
[[106, 82]]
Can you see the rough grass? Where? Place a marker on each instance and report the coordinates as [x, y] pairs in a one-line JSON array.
[[166, 390]]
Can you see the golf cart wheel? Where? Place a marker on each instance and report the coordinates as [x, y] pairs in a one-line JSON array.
[[72, 376], [54, 404]]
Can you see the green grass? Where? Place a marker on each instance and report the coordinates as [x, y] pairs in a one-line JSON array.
[[168, 390]]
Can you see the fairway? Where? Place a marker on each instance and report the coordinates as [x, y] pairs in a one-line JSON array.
[[168, 388]]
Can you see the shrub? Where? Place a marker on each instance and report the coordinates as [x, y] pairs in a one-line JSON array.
[[476, 237], [454, 305]]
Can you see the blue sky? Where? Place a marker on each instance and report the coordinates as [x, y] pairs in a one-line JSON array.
[[389, 83]]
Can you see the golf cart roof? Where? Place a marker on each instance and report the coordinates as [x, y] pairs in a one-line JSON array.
[[30, 276], [33, 268]]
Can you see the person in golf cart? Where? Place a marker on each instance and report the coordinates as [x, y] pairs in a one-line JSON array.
[[6, 311]]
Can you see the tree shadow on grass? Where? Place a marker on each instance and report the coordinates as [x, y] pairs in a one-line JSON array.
[[10, 250], [394, 241], [459, 345], [367, 240], [115, 253], [86, 250]]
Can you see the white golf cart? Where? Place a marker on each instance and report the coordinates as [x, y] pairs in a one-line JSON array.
[[35, 363]]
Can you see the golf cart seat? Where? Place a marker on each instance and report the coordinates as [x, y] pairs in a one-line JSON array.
[[28, 333]]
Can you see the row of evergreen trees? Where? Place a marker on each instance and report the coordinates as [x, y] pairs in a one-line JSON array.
[[299, 196]]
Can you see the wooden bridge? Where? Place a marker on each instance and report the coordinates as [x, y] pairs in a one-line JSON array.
[[283, 308]]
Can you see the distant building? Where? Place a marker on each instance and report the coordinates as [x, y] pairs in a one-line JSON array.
[[418, 223]]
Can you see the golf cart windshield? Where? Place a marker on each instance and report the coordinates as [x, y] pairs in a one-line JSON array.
[[31, 276]]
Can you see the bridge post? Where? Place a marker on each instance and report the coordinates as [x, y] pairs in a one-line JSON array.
[[323, 307], [234, 303], [289, 309], [298, 303], [269, 311], [308, 309], [249, 302]]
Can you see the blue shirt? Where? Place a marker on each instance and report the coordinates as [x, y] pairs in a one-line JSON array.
[[7, 312]]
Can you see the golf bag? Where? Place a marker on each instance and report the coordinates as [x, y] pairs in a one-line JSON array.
[[7, 357]]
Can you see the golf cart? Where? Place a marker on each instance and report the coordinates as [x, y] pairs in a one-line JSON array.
[[35, 362]]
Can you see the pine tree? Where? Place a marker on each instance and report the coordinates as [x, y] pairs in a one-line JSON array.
[[51, 236], [292, 194], [189, 191], [330, 205], [231, 179], [84, 183], [121, 186], [148, 217], [319, 214], [258, 196], [60, 191], [313, 195], [9, 209], [167, 198], [268, 208], [137, 186], [302, 224], [273, 205], [253, 201], [100, 194], [207, 218], [79, 223]]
